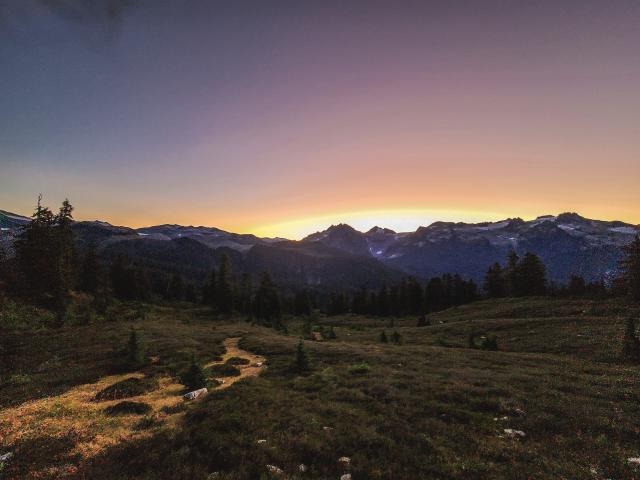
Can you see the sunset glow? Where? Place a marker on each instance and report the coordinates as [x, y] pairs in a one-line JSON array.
[[368, 114]]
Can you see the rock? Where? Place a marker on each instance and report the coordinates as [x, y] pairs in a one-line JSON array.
[[261, 441], [511, 433], [274, 470], [6, 456], [213, 476], [518, 412], [195, 394], [302, 468], [346, 476], [327, 429], [259, 364], [344, 460], [633, 460]]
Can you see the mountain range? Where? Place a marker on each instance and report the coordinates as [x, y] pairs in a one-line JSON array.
[[342, 256]]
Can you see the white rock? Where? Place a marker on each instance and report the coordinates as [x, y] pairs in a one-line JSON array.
[[213, 476], [327, 429], [274, 470], [345, 460], [259, 364], [302, 467], [511, 433], [262, 440], [195, 394], [633, 460], [6, 456], [346, 476]]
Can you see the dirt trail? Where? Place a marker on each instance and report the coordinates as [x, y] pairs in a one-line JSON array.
[[75, 413], [233, 350]]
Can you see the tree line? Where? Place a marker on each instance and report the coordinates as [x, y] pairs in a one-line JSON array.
[[47, 267]]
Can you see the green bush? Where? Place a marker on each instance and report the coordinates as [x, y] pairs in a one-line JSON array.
[[359, 368]]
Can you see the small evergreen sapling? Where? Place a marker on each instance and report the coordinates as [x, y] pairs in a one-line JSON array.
[[303, 363], [193, 377], [134, 352], [631, 343]]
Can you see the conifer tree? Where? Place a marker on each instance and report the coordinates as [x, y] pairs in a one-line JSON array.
[[193, 377], [90, 271], [630, 266], [134, 352], [383, 337], [332, 334], [303, 363], [302, 303], [511, 273], [224, 289], [396, 338], [577, 286], [246, 293], [266, 305], [631, 342], [494, 282], [175, 289], [209, 290], [531, 277], [45, 255]]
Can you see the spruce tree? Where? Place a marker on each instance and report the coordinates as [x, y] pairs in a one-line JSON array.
[[303, 363], [630, 266], [511, 274], [224, 289], [332, 334], [266, 305], [531, 276], [45, 255], [246, 294], [302, 303], [396, 338], [577, 286], [494, 282], [90, 271], [383, 337], [193, 377], [134, 352], [631, 343], [175, 289]]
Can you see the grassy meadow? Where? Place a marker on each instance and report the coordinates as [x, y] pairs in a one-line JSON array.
[[554, 401]]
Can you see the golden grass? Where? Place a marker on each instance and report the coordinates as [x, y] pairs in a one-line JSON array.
[[76, 414]]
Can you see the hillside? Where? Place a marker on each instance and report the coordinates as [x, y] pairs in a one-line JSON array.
[[428, 408]]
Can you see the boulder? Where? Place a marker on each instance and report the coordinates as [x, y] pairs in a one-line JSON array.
[[511, 433], [195, 394]]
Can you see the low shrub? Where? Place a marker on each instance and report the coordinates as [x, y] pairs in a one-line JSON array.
[[129, 387], [359, 368], [224, 370], [238, 361], [128, 408]]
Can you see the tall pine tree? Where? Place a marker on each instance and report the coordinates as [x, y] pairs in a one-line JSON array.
[[630, 266]]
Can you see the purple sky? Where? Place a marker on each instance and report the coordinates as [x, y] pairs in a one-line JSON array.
[[282, 117]]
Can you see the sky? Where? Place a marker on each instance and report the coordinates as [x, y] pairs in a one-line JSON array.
[[281, 118]]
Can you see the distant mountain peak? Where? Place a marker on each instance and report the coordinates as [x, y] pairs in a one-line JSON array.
[[380, 231], [568, 217]]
